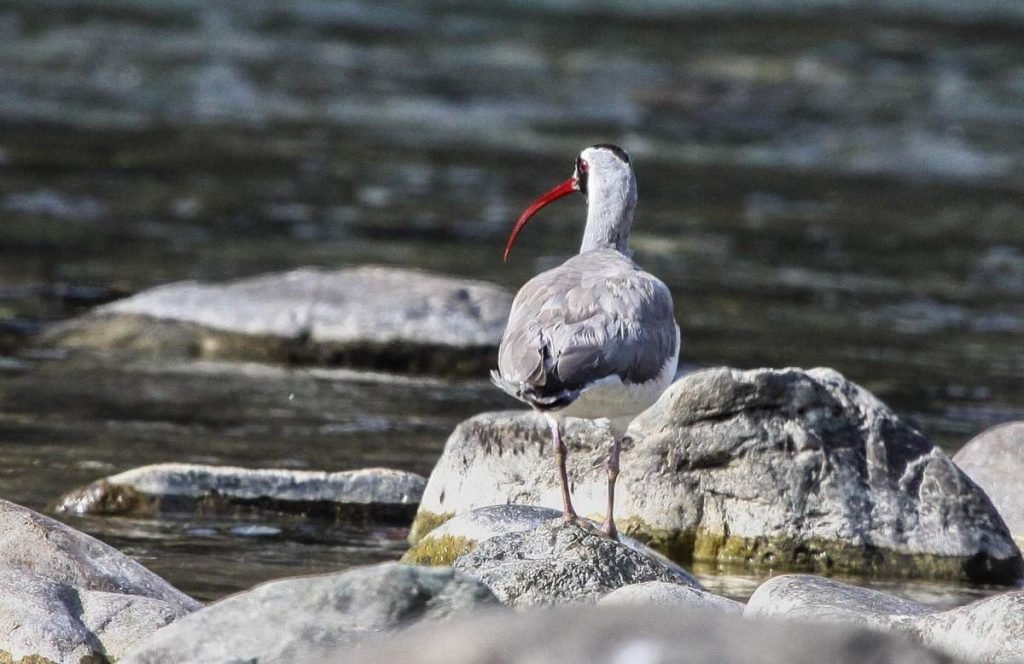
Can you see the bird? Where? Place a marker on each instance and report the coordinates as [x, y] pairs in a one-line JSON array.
[[595, 337]]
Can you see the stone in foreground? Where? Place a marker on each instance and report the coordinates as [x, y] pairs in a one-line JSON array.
[[370, 317], [560, 562], [379, 494], [67, 597], [787, 469], [661, 593], [994, 459], [461, 534], [63, 623], [294, 620], [648, 634], [989, 630]]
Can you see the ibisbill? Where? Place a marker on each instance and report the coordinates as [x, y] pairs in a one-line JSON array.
[[595, 337]]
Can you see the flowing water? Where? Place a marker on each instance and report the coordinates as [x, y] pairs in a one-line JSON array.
[[822, 188]]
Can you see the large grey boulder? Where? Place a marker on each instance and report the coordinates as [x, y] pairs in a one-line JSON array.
[[372, 493], [994, 459], [782, 468], [291, 620], [647, 634], [372, 316], [989, 630], [66, 596], [559, 563]]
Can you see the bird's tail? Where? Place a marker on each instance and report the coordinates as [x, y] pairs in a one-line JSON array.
[[529, 394]]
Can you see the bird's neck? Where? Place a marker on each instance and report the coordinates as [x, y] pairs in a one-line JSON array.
[[609, 217]]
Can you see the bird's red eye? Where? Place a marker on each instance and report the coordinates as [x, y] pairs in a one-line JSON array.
[[582, 166]]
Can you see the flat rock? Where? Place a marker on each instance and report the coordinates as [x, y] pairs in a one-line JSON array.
[[291, 619], [648, 634], [380, 494], [370, 317], [66, 596], [560, 562], [989, 630], [994, 459], [661, 593], [787, 469]]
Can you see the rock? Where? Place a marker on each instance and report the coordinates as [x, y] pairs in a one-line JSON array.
[[648, 634], [661, 593], [558, 563], [370, 317], [787, 469], [994, 459], [68, 597], [461, 534], [378, 494], [33, 543], [989, 630], [291, 620], [62, 623]]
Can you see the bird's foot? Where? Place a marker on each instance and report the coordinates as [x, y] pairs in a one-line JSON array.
[[569, 516], [609, 529]]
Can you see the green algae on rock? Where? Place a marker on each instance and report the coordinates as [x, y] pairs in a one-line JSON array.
[[787, 469], [438, 551]]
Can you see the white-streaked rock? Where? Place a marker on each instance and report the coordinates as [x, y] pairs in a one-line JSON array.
[[785, 468]]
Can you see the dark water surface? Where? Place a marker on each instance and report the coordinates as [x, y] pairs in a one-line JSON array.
[[816, 189]]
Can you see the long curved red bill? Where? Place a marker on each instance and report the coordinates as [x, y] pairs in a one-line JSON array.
[[564, 189]]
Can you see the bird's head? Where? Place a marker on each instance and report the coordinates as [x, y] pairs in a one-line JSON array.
[[602, 171]]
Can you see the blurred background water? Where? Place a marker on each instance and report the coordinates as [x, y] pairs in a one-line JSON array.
[[822, 182]]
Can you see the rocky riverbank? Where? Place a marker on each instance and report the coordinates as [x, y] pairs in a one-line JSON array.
[[772, 469]]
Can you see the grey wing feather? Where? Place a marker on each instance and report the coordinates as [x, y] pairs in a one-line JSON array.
[[596, 315]]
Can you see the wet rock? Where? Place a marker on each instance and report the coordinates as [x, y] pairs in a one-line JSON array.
[[994, 459], [661, 593], [654, 634], [378, 494], [989, 630], [560, 562], [293, 620], [370, 317], [68, 597], [461, 534], [783, 468]]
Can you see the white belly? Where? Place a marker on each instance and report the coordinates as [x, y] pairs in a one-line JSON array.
[[612, 399]]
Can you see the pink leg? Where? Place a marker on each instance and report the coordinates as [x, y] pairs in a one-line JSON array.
[[560, 453], [613, 474]]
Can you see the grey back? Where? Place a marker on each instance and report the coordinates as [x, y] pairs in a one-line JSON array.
[[596, 315]]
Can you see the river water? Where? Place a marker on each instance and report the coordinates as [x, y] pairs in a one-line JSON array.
[[819, 188]]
